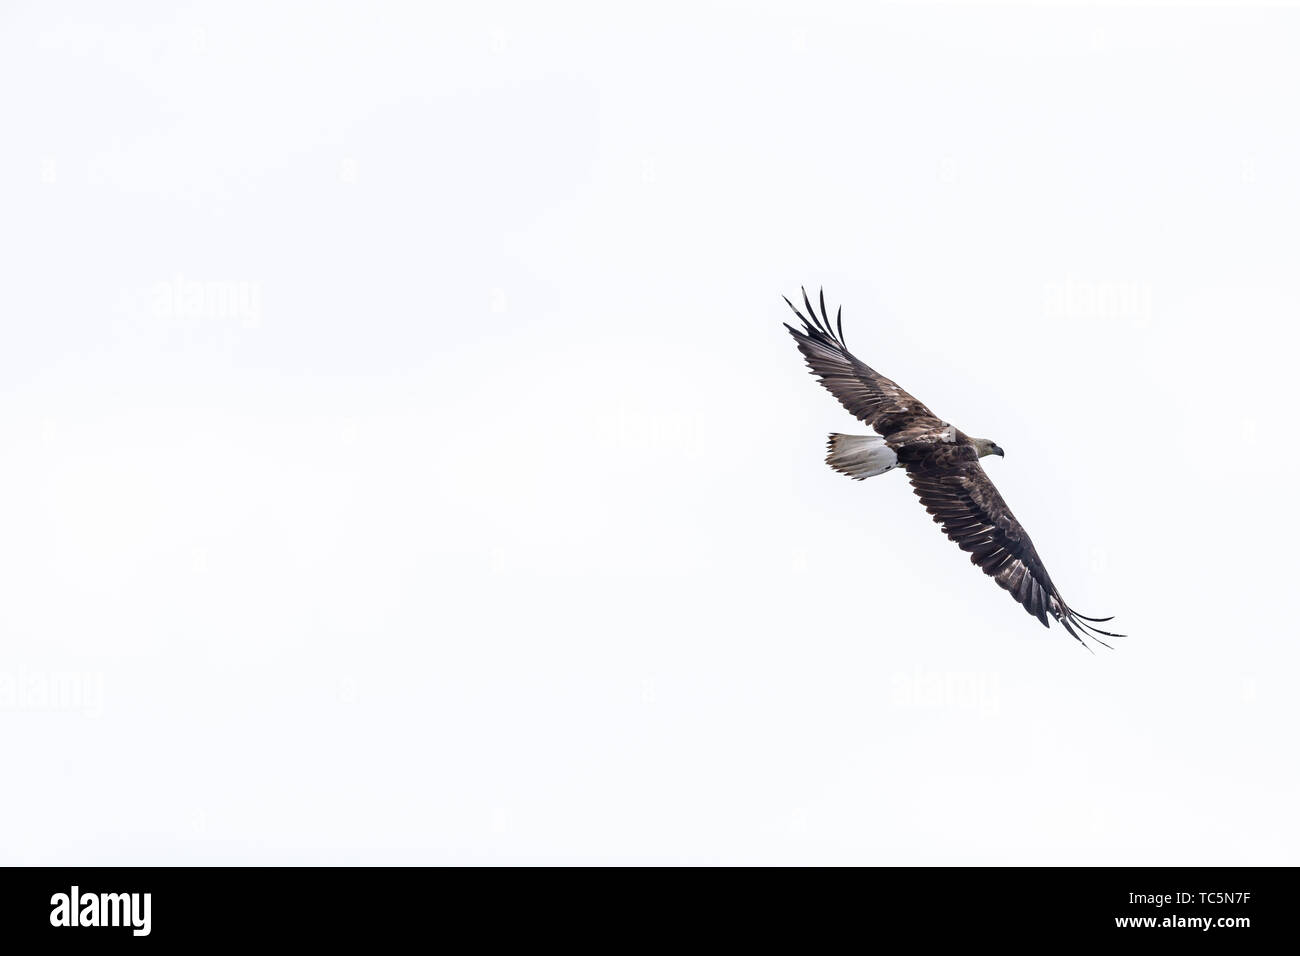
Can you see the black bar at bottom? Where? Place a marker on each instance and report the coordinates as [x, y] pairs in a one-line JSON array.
[[624, 906]]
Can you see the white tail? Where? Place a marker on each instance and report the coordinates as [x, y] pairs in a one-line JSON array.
[[860, 456]]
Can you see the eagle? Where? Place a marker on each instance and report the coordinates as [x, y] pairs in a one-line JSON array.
[[942, 463]]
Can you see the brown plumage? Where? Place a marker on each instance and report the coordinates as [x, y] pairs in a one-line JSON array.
[[943, 466]]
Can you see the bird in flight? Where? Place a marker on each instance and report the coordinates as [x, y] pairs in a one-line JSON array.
[[942, 463]]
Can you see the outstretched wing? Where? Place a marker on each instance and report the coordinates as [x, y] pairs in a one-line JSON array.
[[861, 389], [958, 493]]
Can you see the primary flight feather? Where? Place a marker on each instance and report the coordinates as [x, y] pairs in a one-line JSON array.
[[942, 464]]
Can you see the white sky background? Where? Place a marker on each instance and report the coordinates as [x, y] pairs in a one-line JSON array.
[[491, 525]]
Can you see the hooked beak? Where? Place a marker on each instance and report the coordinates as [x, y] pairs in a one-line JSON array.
[[997, 450]]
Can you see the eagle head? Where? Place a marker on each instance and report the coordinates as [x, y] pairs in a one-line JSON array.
[[984, 446]]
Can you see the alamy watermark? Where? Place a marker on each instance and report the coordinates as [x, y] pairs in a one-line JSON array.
[[208, 300], [975, 691], [27, 691], [77, 908], [1076, 298]]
